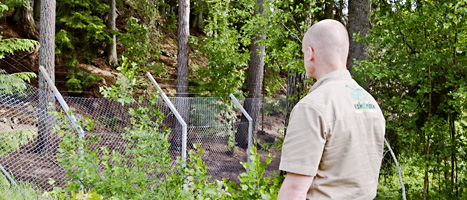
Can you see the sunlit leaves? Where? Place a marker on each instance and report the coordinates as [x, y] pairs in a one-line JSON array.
[[417, 70]]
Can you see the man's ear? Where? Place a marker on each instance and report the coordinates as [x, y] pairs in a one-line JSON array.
[[310, 53]]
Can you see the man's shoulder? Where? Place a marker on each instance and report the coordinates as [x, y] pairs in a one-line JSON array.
[[329, 89]]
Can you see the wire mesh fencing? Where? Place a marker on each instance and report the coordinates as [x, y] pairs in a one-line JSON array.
[[27, 147], [28, 144]]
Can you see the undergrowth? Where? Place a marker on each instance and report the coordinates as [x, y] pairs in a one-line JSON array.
[[145, 169]]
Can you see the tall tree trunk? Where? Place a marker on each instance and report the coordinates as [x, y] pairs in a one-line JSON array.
[[111, 23], [426, 184], [328, 9], [24, 17], [46, 59], [359, 22], [254, 83], [452, 129], [182, 103], [339, 11], [296, 86], [198, 21], [182, 56]]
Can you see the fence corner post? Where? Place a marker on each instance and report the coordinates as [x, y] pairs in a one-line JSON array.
[[250, 127], [177, 115]]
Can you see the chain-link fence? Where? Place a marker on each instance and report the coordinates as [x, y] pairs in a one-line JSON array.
[[28, 145]]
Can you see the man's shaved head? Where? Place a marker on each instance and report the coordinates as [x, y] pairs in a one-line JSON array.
[[329, 42]]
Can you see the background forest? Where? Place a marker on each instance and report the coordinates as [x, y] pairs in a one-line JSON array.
[[409, 54]]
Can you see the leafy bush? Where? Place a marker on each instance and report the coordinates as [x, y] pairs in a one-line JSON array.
[[140, 48], [77, 81], [228, 59], [11, 45], [253, 184]]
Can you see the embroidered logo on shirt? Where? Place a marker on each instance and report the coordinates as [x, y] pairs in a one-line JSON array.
[[361, 99]]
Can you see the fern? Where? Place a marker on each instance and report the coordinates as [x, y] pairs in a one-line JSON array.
[[14, 83], [11, 45]]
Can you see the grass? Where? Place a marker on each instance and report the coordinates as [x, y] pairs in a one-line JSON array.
[[24, 191]]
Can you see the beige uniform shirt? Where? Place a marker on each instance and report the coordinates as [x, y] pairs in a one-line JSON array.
[[336, 134]]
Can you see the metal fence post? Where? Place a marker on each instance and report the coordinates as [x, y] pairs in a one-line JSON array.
[[177, 115], [398, 168], [7, 176], [65, 107], [250, 127], [62, 103]]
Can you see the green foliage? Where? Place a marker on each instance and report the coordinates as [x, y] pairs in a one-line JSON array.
[[64, 45], [197, 184], [3, 8], [136, 40], [145, 169], [15, 139], [80, 33], [229, 28], [229, 114], [253, 183], [15, 83], [80, 26], [77, 81], [225, 71], [124, 88], [81, 195], [141, 47], [3, 180], [24, 191], [7, 5], [142, 171], [417, 69], [11, 45]]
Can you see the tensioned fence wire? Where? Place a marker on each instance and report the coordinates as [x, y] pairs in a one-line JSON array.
[[28, 146]]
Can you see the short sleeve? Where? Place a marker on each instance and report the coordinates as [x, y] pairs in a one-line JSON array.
[[304, 142]]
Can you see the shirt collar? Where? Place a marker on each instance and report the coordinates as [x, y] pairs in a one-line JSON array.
[[342, 74]]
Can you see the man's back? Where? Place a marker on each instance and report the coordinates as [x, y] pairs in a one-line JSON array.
[[341, 129]]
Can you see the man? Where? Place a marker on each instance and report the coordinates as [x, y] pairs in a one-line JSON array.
[[334, 143]]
